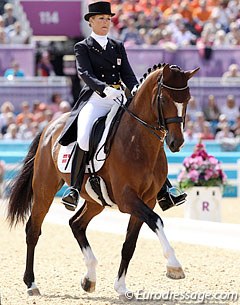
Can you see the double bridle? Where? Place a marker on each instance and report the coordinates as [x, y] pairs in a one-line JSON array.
[[162, 122]]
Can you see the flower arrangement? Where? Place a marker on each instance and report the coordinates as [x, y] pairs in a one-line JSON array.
[[201, 169]]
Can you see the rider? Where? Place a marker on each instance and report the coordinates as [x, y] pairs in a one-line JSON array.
[[103, 65]]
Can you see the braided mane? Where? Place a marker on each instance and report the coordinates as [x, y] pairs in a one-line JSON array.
[[150, 70]]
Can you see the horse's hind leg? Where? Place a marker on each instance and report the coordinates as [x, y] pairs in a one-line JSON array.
[[33, 231], [128, 249], [45, 185], [78, 224]]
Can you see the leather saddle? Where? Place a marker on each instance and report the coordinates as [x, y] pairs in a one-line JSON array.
[[98, 129]]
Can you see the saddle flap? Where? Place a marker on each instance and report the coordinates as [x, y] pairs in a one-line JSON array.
[[96, 135], [114, 126]]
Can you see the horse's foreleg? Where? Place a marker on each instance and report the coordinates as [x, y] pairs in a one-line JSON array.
[[78, 224], [128, 249], [174, 268], [140, 210]]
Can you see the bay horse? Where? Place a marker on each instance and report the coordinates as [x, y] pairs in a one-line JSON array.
[[134, 172]]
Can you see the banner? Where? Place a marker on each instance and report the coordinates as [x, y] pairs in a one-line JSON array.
[[50, 18]]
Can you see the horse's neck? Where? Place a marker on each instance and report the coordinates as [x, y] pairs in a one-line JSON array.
[[142, 103], [134, 132]]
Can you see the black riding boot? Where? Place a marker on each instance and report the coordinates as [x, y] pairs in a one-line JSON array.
[[77, 173], [166, 199]]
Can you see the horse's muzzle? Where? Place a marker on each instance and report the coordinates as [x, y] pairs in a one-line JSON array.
[[174, 145]]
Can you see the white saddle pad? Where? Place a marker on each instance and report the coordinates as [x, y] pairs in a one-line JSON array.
[[64, 164]]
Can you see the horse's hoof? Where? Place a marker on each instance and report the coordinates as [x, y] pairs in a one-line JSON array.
[[33, 291], [88, 285], [175, 273]]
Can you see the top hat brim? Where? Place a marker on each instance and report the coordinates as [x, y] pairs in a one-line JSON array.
[[87, 16]]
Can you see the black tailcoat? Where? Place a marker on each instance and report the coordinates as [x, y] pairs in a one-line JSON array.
[[97, 68]]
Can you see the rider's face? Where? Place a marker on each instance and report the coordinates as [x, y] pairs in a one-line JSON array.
[[100, 24]]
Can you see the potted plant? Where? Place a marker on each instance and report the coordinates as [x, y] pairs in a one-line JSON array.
[[203, 178]]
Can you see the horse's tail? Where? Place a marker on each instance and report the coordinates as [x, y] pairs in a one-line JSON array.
[[21, 191]]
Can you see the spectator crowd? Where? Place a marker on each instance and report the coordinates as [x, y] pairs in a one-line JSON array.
[[11, 31], [27, 123], [213, 122], [177, 23]]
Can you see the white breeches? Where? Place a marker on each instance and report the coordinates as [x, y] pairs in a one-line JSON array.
[[94, 108]]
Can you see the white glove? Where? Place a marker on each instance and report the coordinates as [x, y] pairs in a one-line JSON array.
[[112, 92], [134, 89]]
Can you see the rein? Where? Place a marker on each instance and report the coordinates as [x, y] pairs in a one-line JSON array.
[[162, 123], [152, 129]]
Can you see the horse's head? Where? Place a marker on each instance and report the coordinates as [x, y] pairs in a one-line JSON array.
[[172, 99], [167, 88]]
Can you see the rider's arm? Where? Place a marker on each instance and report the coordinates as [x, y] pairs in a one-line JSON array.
[[85, 69]]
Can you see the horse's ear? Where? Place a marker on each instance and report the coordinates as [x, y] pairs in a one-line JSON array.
[[166, 72], [190, 74]]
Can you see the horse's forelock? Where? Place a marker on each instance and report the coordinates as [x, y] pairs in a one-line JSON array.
[[178, 79]]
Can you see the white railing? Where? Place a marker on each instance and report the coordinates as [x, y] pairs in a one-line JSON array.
[[205, 82], [39, 81]]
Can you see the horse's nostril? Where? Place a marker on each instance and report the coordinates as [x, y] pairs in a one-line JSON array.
[[172, 145]]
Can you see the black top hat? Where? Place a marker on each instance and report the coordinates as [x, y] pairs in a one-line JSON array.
[[98, 8]]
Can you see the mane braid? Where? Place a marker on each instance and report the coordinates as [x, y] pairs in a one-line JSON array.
[[150, 70]]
